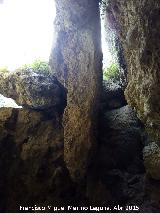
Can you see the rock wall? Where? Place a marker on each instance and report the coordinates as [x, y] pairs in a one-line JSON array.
[[137, 23], [32, 165], [31, 160], [76, 61]]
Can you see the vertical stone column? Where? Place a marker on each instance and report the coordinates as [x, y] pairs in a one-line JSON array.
[[76, 61]]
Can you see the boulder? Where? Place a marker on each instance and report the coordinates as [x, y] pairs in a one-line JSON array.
[[112, 96], [122, 118], [32, 90], [121, 140]]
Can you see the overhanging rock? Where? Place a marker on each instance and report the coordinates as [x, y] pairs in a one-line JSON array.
[[138, 24], [32, 89]]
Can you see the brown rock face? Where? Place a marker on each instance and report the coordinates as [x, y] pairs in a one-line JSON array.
[[31, 160], [76, 61], [32, 89], [138, 24]]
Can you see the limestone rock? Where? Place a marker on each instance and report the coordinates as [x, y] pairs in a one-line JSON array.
[[121, 141], [76, 61], [113, 95], [31, 160], [138, 25], [124, 117], [31, 89], [151, 156]]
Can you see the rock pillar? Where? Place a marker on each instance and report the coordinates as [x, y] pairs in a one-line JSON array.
[[76, 61]]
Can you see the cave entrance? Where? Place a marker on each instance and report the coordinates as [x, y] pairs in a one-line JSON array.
[[26, 31], [26, 36], [114, 67]]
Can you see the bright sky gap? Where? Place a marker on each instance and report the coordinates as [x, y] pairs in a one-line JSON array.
[[26, 31]]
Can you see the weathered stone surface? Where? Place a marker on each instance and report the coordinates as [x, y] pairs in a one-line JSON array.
[[113, 96], [31, 89], [31, 160], [137, 23], [76, 61], [151, 156], [121, 140], [124, 117], [118, 176]]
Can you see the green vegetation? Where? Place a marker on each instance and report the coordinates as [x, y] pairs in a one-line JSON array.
[[112, 73], [37, 65], [4, 70]]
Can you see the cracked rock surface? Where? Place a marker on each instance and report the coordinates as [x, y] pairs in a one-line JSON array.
[[137, 24], [31, 89]]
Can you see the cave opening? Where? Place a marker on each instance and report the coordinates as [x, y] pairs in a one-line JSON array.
[[27, 31], [7, 102], [95, 155], [26, 39]]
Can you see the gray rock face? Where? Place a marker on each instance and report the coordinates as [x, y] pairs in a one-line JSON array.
[[121, 142], [32, 90], [124, 117], [113, 96], [137, 24], [151, 156], [76, 61], [31, 160], [118, 172]]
